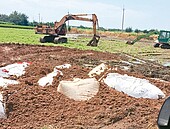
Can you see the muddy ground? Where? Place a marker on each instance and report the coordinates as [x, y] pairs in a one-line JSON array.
[[32, 106]]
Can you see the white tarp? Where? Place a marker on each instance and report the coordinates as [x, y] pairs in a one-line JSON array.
[[48, 79], [17, 69], [79, 89], [135, 87], [97, 70], [64, 66], [2, 107], [5, 82]]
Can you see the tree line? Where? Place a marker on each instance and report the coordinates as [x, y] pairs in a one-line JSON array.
[[22, 19], [129, 29], [15, 18]]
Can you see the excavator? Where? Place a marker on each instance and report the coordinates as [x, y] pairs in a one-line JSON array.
[[162, 42], [57, 34]]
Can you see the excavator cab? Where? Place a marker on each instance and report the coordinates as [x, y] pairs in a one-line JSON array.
[[61, 30], [164, 37], [163, 40]]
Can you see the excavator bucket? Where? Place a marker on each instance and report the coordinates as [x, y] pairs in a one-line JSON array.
[[94, 41], [130, 42]]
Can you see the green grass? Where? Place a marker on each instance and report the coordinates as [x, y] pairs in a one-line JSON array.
[[28, 36], [13, 35], [15, 26]]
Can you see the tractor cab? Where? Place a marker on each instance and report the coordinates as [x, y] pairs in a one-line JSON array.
[[164, 37], [163, 40]]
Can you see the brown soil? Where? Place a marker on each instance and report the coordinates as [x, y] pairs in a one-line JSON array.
[[31, 106]]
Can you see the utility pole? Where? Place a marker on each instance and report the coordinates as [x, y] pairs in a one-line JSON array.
[[39, 17], [68, 23], [123, 18], [33, 22]]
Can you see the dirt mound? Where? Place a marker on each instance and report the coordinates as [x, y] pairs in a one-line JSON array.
[[32, 106]]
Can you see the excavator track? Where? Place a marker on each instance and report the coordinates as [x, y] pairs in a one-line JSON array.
[[165, 46], [47, 39]]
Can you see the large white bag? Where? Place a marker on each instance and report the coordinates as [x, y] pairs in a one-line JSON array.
[[48, 79], [135, 87], [98, 70], [79, 89], [5, 82], [2, 107], [17, 69]]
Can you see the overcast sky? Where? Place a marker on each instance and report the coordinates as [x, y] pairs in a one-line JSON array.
[[140, 14]]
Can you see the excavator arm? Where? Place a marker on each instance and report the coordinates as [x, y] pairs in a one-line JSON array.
[[94, 41], [139, 38]]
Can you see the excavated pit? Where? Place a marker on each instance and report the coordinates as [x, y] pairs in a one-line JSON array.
[[32, 106]]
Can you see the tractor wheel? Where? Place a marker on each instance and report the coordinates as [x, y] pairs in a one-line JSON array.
[[156, 45]]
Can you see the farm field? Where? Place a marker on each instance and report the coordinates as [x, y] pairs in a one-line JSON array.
[[34, 106], [110, 42]]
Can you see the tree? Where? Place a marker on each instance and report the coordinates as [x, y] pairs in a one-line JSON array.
[[137, 31], [128, 29], [34, 23], [82, 27], [18, 18], [69, 28], [4, 18], [154, 30], [102, 29], [145, 31]]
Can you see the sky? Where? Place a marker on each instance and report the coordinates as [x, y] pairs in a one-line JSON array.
[[138, 14]]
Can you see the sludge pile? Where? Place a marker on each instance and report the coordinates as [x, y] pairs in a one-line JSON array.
[[84, 89]]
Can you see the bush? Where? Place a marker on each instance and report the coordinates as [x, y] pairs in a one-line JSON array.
[[129, 29], [137, 31]]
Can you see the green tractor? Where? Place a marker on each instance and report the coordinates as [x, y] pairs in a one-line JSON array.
[[163, 40]]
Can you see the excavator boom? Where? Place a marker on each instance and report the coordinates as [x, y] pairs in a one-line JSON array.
[[139, 38]]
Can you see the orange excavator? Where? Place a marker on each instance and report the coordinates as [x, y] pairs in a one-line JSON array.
[[57, 34]]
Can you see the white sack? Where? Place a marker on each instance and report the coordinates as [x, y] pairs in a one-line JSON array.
[[64, 66], [135, 87], [17, 69], [48, 79], [97, 70], [5, 82], [2, 108], [79, 89]]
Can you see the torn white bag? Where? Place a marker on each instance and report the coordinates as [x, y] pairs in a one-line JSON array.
[[79, 89], [135, 87], [2, 107]]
